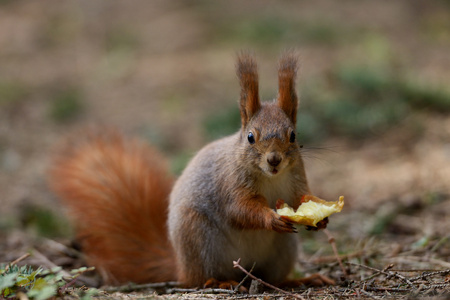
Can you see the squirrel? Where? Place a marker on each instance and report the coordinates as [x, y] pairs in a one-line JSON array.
[[136, 223]]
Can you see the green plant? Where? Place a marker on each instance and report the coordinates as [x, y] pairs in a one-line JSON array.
[[45, 222], [423, 96], [37, 283], [66, 105]]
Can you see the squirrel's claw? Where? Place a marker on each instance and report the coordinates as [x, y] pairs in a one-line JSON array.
[[280, 224]]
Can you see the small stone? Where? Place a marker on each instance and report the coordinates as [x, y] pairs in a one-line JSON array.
[[255, 287]]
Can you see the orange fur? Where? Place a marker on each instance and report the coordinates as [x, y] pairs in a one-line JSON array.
[[248, 77], [116, 191], [253, 212], [287, 97]]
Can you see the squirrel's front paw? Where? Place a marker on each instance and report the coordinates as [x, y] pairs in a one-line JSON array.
[[280, 224]]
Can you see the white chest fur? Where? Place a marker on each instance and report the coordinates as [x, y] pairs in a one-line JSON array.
[[265, 246], [277, 187]]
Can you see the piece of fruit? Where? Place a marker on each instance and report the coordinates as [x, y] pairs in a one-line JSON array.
[[311, 211]]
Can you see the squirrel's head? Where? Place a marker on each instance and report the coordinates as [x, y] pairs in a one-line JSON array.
[[268, 129]]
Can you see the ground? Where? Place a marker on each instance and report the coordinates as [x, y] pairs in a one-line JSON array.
[[374, 115]]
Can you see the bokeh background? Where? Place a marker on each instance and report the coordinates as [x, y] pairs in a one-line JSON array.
[[374, 101]]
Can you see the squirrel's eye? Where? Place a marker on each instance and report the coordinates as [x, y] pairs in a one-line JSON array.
[[292, 137], [251, 138]]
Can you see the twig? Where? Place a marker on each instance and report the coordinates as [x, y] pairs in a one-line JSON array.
[[386, 289], [236, 264], [236, 289], [332, 241], [75, 277], [440, 262], [63, 289], [20, 259], [133, 287], [440, 243], [408, 259], [366, 293], [389, 274], [14, 262], [200, 291], [424, 275], [181, 290], [364, 266], [47, 262], [440, 285], [378, 273], [61, 248]]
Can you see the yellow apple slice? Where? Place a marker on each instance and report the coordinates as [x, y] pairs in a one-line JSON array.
[[311, 211]]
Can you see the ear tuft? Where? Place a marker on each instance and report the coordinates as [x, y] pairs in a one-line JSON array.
[[287, 96], [247, 72]]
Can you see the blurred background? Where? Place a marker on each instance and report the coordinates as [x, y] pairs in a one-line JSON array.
[[374, 100]]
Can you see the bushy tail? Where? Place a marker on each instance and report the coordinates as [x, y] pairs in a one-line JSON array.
[[116, 191]]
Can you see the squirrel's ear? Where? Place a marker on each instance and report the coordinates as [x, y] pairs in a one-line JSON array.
[[287, 97], [248, 77]]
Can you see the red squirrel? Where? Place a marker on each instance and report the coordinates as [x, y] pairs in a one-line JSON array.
[[136, 223]]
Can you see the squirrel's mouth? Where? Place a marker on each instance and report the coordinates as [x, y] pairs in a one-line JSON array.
[[271, 171]]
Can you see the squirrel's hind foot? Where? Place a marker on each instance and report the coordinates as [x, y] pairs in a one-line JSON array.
[[314, 280], [226, 285]]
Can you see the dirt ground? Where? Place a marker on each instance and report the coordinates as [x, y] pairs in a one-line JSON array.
[[159, 69]]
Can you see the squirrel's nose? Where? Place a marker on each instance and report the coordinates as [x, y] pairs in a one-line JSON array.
[[274, 159]]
